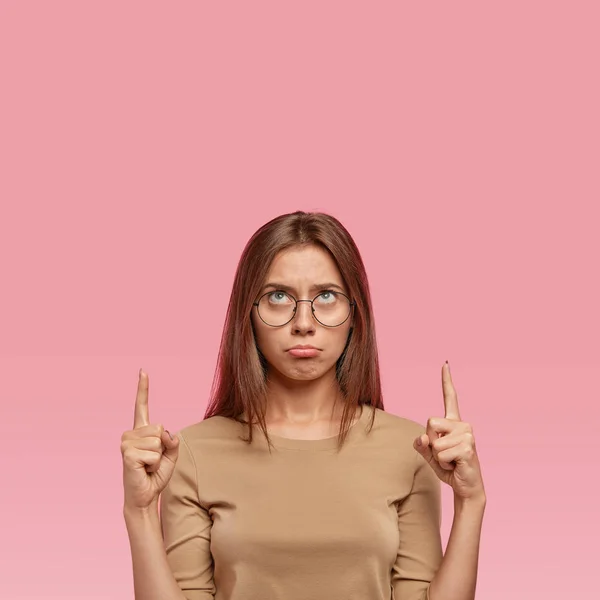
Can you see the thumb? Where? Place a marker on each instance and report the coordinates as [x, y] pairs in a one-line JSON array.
[[171, 444], [424, 449], [427, 453]]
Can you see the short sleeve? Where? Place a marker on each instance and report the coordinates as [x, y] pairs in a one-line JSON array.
[[420, 549], [186, 527]]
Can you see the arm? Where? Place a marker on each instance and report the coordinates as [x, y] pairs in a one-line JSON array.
[[186, 528], [457, 576], [420, 549], [171, 555], [152, 577]]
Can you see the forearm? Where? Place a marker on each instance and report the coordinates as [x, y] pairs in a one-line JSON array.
[[456, 578], [152, 576]]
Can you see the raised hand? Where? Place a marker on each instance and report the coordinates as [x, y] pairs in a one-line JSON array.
[[149, 454], [448, 445]]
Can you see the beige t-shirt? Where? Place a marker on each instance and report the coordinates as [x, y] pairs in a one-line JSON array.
[[305, 522]]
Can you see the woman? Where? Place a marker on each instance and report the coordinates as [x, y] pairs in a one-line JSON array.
[[297, 485]]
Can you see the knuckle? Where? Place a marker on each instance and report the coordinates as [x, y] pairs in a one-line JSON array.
[[129, 460]]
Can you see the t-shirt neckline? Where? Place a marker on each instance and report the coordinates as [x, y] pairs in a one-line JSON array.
[[322, 443]]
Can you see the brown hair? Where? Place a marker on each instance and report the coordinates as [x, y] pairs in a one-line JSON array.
[[239, 384]]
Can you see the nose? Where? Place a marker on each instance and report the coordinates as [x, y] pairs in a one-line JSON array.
[[303, 319]]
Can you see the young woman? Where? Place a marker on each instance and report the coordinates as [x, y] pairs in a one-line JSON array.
[[297, 485]]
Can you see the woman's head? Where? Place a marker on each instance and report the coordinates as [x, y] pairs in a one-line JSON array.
[[298, 252], [283, 316]]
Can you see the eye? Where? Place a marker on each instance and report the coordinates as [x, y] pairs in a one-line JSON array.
[[279, 297], [327, 297]]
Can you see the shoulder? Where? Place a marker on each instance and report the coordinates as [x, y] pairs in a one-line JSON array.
[[394, 431], [211, 431], [401, 432], [393, 424]]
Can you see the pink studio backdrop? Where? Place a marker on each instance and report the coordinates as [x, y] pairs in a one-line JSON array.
[[141, 145]]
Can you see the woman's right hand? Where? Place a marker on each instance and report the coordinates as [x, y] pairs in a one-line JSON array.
[[149, 454]]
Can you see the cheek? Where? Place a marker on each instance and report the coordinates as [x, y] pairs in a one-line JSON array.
[[263, 337], [341, 343], [342, 337], [335, 344]]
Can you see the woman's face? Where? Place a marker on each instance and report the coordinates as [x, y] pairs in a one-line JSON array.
[[301, 271]]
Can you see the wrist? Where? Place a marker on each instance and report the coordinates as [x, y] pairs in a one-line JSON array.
[[477, 501], [140, 512]]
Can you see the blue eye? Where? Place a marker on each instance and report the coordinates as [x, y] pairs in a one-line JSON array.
[[281, 297], [326, 297]]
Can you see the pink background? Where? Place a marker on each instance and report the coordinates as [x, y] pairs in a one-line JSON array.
[[142, 143]]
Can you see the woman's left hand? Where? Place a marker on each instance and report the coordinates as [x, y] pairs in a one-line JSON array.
[[448, 446]]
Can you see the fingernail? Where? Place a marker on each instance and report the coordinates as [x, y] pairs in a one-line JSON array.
[[419, 441], [169, 433]]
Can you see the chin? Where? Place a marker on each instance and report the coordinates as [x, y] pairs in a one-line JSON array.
[[304, 371]]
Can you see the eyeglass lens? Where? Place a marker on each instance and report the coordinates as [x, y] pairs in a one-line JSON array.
[[329, 308]]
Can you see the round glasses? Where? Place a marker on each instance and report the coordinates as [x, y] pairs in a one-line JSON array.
[[277, 308]]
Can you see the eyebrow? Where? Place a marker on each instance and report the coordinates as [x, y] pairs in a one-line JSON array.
[[289, 288]]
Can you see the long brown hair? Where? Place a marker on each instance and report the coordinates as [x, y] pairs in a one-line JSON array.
[[239, 384]]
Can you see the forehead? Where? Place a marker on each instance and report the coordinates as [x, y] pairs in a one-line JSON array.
[[304, 265]]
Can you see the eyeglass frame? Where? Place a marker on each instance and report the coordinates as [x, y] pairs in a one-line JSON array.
[[352, 304]]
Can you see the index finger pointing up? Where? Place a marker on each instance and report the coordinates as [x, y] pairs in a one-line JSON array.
[[141, 417], [450, 395]]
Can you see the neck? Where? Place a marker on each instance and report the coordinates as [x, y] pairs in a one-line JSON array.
[[303, 401]]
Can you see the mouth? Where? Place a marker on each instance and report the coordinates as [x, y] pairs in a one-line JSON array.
[[304, 351]]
